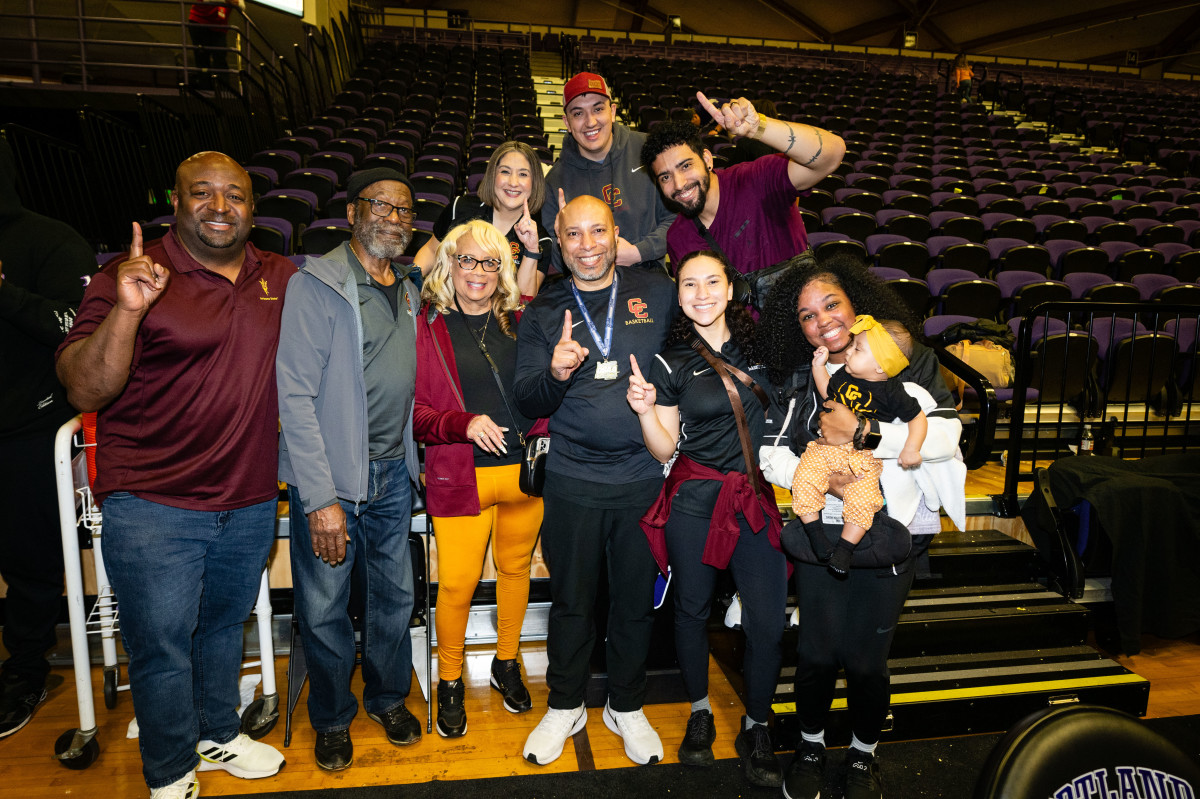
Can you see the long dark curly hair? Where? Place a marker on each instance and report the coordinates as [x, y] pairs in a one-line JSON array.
[[781, 341], [742, 328]]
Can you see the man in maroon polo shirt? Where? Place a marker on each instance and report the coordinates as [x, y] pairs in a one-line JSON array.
[[175, 347]]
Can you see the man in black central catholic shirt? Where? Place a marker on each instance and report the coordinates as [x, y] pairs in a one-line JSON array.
[[573, 349]]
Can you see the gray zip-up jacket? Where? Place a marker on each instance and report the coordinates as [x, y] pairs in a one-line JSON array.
[[322, 393]]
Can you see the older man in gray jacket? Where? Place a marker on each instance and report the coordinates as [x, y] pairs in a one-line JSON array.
[[346, 372]]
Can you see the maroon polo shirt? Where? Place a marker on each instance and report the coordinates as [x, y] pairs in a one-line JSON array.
[[196, 426]]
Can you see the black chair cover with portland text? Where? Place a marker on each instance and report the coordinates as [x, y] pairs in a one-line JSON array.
[[1084, 750]]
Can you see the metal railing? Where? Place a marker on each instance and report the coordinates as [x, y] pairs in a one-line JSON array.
[[81, 43], [1094, 379]]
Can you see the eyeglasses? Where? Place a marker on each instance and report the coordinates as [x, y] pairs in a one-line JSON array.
[[467, 263], [384, 209]]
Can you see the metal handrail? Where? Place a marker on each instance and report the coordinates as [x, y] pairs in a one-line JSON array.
[[1050, 431], [85, 51]]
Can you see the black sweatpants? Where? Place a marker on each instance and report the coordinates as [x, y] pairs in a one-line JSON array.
[[576, 539], [760, 573], [31, 559], [849, 624]]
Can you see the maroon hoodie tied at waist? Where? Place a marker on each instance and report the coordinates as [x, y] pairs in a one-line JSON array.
[[737, 496]]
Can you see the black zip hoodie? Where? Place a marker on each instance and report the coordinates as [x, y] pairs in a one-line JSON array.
[[45, 265]]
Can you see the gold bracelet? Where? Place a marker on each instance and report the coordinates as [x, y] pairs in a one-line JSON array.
[[762, 126]]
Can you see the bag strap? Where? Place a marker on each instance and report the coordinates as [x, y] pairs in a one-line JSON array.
[[495, 372], [703, 231], [724, 369]]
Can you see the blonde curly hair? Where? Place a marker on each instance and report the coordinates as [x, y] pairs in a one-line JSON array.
[[438, 291]]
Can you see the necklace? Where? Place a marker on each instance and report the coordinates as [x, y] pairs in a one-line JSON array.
[[482, 330], [476, 334]]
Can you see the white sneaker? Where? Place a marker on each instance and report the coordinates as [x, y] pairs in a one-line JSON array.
[[242, 757], [548, 738], [186, 787], [642, 744]]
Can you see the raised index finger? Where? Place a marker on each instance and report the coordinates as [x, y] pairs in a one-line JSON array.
[[562, 198], [708, 106], [636, 371], [566, 331], [525, 203], [135, 246]]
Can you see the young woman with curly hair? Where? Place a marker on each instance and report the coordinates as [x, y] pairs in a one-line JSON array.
[[847, 623]]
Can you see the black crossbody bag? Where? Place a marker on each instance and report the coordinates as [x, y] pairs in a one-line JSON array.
[[532, 478]]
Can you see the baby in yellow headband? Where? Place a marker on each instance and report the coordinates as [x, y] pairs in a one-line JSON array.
[[867, 384]]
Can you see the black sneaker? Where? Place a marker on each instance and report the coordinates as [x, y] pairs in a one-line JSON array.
[[696, 749], [862, 776], [758, 756], [451, 715], [402, 727], [806, 774], [17, 706], [506, 678], [334, 750]]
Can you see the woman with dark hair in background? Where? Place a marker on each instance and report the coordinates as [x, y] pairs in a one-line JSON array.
[[844, 623], [510, 197], [716, 510]]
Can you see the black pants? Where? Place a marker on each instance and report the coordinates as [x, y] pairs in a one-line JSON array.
[[576, 539], [31, 559], [850, 624], [760, 573]]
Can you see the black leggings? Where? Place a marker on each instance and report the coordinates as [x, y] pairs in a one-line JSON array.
[[760, 572], [848, 624]]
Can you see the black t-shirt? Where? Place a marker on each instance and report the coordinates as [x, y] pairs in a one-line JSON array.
[[392, 292], [480, 392], [594, 434], [708, 431], [884, 400], [468, 207]]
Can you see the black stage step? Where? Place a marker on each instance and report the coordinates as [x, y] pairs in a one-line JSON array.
[[974, 693], [977, 618], [961, 557]]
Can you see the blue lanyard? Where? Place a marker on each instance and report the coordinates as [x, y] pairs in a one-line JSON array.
[[608, 326]]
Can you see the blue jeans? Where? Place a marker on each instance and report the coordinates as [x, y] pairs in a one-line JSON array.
[[184, 642], [377, 558]]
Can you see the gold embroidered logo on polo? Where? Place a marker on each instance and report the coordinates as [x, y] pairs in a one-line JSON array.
[[266, 292]]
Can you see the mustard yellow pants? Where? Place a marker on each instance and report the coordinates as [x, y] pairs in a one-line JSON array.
[[511, 520]]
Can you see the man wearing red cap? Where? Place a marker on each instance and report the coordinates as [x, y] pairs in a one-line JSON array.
[[603, 159]]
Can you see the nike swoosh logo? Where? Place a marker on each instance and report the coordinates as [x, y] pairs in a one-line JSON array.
[[635, 169], [881, 630], [577, 324], [702, 371]]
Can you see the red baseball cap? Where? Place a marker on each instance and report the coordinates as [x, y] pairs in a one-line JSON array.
[[584, 83]]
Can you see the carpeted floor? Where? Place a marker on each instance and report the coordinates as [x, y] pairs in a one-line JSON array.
[[945, 768]]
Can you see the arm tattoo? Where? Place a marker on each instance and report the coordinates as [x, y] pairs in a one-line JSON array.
[[820, 147], [791, 139]]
